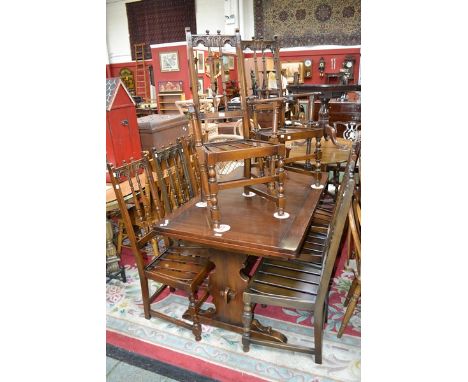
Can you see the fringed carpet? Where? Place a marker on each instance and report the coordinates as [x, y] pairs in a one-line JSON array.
[[219, 354]]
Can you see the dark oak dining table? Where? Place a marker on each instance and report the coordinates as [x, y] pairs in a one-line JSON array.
[[254, 231]]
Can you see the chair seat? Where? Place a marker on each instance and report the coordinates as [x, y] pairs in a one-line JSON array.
[[179, 267], [285, 283], [240, 149], [290, 133]]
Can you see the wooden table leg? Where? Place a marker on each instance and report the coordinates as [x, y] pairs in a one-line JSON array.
[[226, 285], [113, 268]]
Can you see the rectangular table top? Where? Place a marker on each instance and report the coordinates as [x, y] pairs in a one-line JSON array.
[[254, 230]]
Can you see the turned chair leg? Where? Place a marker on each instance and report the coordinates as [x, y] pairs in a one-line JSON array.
[[281, 197], [351, 291], [154, 244], [145, 296], [196, 328], [318, 335], [350, 309], [213, 187], [247, 321], [120, 236]]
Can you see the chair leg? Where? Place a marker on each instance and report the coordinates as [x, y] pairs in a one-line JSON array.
[[154, 244], [120, 236], [196, 328], [351, 291], [281, 197], [318, 335], [350, 310], [247, 321], [145, 296], [213, 187]]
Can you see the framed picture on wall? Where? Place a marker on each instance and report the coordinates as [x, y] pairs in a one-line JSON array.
[[228, 62], [170, 86], [291, 68], [200, 62], [200, 85], [169, 61]]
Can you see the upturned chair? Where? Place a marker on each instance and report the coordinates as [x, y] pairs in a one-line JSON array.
[[285, 132], [246, 149], [354, 245], [177, 267], [298, 284]]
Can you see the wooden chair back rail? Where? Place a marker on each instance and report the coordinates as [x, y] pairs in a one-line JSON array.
[[263, 47], [148, 208], [174, 175], [298, 284]]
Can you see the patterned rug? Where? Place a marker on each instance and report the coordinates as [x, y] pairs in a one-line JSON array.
[[219, 354], [309, 22]]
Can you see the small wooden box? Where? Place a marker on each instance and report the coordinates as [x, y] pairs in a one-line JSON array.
[[162, 130]]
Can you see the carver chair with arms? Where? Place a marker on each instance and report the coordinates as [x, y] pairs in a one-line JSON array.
[[246, 149], [298, 284], [285, 132], [177, 267]]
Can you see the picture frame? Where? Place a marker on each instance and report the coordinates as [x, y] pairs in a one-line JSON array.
[[228, 62], [200, 85], [291, 68], [169, 61], [200, 62], [170, 86]]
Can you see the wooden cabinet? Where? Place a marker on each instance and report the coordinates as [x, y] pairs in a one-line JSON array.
[[162, 130], [166, 102], [341, 111]]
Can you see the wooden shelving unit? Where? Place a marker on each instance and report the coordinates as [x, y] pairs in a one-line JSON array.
[[166, 102]]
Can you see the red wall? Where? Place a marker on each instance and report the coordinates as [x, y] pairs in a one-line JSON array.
[[181, 75], [112, 70], [327, 54]]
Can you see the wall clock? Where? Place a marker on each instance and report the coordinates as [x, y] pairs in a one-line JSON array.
[[307, 68], [348, 64]]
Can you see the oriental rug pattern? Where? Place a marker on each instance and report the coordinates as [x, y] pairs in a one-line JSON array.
[[309, 22], [222, 349]]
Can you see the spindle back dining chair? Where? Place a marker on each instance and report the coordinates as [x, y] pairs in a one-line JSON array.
[[285, 132], [246, 149], [176, 267], [298, 285]]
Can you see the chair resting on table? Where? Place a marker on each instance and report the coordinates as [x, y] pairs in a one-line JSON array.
[[245, 149]]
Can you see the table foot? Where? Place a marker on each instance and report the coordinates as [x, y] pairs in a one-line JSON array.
[[257, 330], [222, 228], [278, 216], [315, 187], [249, 195]]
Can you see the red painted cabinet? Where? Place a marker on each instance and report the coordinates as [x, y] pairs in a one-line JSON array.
[[122, 135]]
